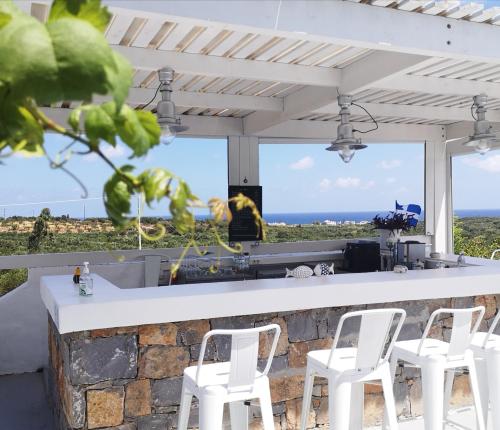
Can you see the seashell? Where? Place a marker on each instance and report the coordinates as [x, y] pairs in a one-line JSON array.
[[299, 272], [323, 269]]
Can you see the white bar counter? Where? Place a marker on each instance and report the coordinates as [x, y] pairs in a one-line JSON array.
[[111, 306]]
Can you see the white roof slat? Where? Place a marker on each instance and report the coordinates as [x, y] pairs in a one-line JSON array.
[[465, 10], [299, 51], [202, 40], [346, 57], [175, 36], [139, 76], [468, 69], [227, 43], [275, 50], [486, 14], [382, 3], [320, 54], [253, 44], [148, 32], [118, 28], [449, 70], [436, 68], [437, 7], [478, 73], [410, 5]]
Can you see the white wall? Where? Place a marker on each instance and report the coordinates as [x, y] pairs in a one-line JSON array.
[[23, 317]]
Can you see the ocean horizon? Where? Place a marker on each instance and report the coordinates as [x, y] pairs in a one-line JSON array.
[[358, 216]]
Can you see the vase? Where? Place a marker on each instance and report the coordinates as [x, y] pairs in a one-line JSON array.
[[389, 238]]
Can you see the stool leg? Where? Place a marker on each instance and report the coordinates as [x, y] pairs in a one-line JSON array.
[[238, 412], [266, 409], [448, 390], [482, 378], [211, 412], [339, 404], [433, 392], [474, 384], [390, 415], [185, 408], [393, 365], [306, 399], [357, 406], [493, 365]]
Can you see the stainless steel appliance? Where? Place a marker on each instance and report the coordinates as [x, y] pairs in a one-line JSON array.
[[410, 252]]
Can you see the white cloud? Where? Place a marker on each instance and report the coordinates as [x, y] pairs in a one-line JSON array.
[[325, 184], [347, 182], [489, 164], [390, 180], [368, 185], [109, 151], [389, 164], [304, 163]]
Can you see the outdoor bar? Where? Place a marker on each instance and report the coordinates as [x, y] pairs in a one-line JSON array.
[[397, 329]]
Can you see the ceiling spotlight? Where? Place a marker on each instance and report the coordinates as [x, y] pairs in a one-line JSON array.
[[346, 144], [483, 135], [165, 110]]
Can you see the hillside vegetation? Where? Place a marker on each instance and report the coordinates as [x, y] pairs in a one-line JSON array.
[[474, 236]]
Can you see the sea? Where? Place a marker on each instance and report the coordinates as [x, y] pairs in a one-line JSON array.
[[311, 217]]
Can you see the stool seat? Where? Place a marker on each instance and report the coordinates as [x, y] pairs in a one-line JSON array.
[[492, 340], [343, 359], [408, 350], [212, 374]]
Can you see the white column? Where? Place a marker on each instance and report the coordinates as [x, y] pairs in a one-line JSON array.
[[243, 160], [438, 221]]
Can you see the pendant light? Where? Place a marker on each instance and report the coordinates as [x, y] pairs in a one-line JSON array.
[[483, 135], [346, 144], [165, 110]]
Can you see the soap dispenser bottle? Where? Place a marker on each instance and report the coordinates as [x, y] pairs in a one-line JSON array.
[[86, 285]]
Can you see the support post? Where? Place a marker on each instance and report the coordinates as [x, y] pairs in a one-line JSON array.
[[243, 160], [438, 194]]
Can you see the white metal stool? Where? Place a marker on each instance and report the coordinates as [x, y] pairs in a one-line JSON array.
[[347, 369], [233, 382], [486, 349], [436, 357]]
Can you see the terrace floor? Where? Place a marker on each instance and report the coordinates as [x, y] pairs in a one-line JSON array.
[[23, 403]]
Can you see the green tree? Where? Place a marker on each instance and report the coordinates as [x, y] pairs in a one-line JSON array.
[[40, 231]]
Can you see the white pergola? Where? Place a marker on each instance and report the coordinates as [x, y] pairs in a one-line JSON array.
[[270, 71]]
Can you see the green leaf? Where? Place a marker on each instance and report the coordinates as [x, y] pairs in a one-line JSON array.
[[66, 59], [4, 19], [99, 125], [20, 130], [139, 130], [119, 77], [180, 202], [31, 70], [117, 194], [88, 10], [155, 183], [74, 119]]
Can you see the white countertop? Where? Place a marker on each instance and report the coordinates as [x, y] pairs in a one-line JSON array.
[[111, 306]]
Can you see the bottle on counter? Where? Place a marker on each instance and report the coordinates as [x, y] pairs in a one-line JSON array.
[[76, 275], [86, 284]]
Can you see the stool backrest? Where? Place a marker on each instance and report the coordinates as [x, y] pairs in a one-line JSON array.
[[374, 330], [493, 326], [244, 354], [461, 332]]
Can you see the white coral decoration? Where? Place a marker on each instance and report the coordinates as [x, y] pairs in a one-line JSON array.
[[299, 272]]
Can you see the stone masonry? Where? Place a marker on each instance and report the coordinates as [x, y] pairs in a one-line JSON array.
[[129, 378]]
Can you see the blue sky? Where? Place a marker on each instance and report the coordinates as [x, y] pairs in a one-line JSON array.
[[295, 177]]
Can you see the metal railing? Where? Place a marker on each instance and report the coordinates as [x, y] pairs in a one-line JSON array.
[[494, 253]]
